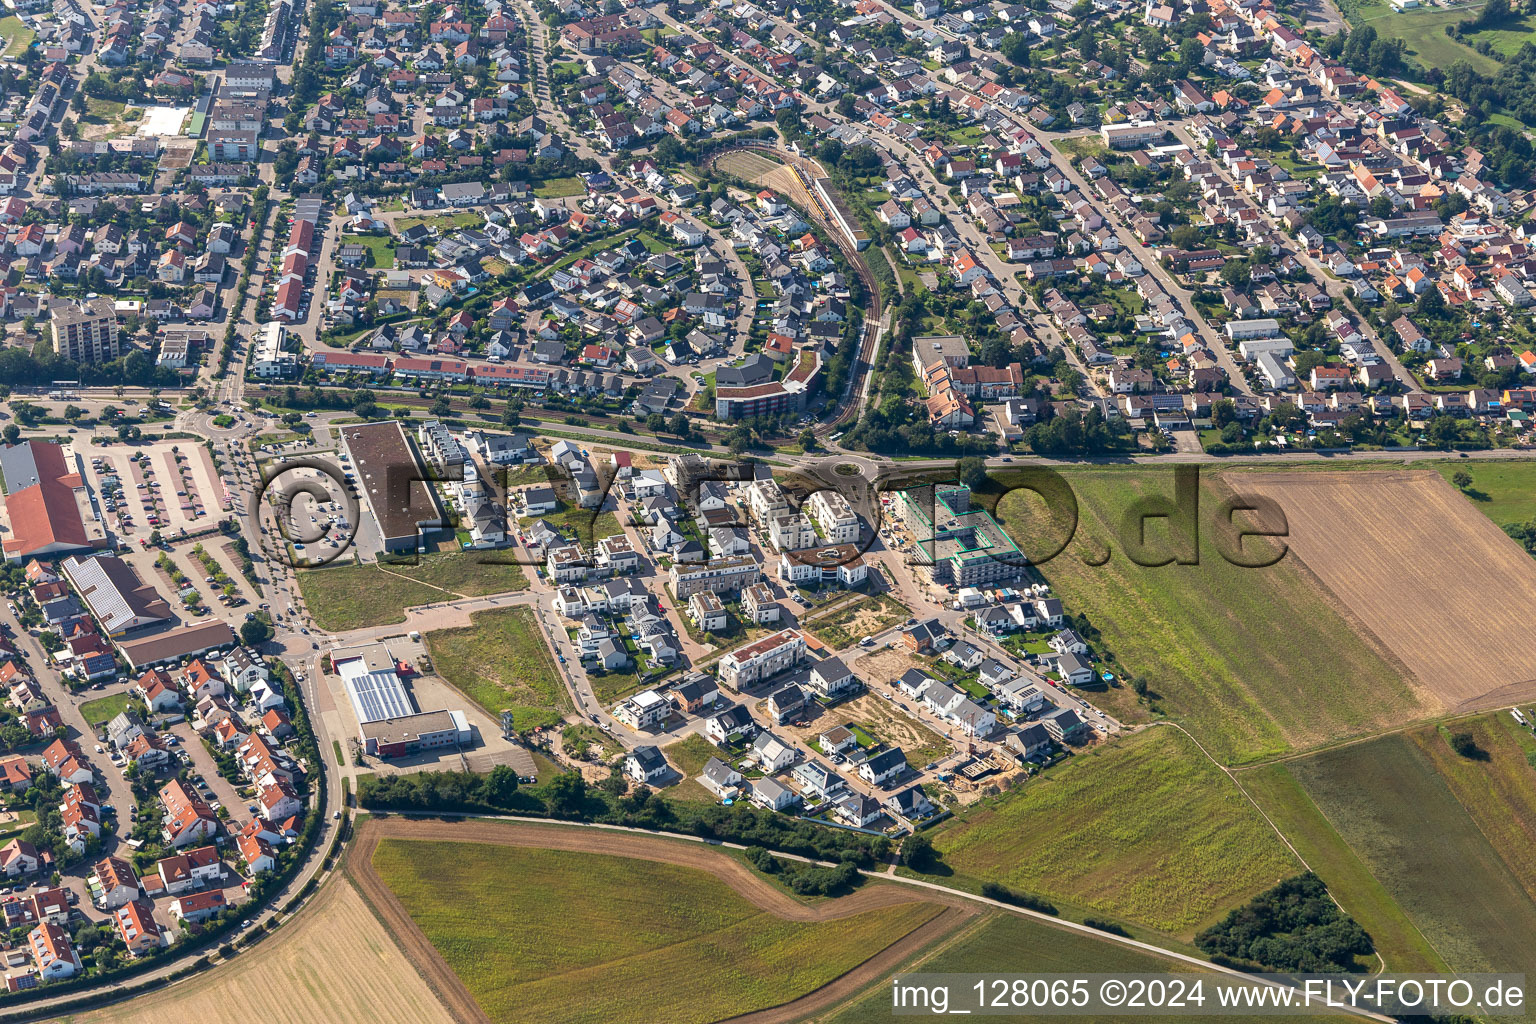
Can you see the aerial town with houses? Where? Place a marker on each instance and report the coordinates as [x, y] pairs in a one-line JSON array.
[[624, 413]]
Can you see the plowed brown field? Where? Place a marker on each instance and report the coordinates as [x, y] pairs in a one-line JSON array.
[[1413, 562]]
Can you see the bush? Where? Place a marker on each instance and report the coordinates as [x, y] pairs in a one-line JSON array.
[[1003, 894], [1465, 745], [564, 797], [1105, 926]]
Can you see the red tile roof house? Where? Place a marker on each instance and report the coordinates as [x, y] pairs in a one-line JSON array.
[[187, 818], [199, 906], [190, 870]]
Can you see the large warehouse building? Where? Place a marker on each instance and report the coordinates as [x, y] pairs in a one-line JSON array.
[[115, 595], [394, 478], [47, 506], [388, 723]]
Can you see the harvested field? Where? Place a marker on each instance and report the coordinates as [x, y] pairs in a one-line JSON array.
[[1145, 829], [334, 962], [1404, 550], [650, 907], [1388, 801]]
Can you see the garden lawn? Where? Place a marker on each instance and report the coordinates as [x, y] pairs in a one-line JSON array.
[[381, 249], [696, 949], [501, 662], [17, 35], [441, 222], [1235, 654], [104, 709], [1145, 829], [561, 188], [588, 525]]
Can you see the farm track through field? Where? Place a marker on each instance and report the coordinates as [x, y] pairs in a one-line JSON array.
[[756, 890]]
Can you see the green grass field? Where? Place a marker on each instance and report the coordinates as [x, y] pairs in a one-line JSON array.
[[502, 662], [1255, 662], [381, 249], [1424, 32], [100, 111], [1387, 801], [1507, 39], [689, 756], [1499, 794], [1365, 899], [16, 34], [104, 709], [441, 222], [561, 188], [680, 940], [353, 596], [1005, 943], [1146, 829], [1504, 491]]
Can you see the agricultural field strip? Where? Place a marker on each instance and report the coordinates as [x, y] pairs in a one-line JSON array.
[[623, 840], [1194, 631], [949, 911], [1401, 550], [334, 962], [1382, 798]]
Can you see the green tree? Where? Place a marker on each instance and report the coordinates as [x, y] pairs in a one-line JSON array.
[[255, 632], [501, 785], [1462, 479], [972, 470]]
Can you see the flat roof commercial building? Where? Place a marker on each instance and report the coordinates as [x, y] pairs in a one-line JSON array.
[[170, 647], [394, 479], [397, 737], [373, 686]]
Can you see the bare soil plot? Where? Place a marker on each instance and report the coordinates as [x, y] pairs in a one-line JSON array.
[[1413, 561], [863, 616], [884, 721], [332, 963]]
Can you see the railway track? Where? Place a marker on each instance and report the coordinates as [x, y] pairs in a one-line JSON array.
[[856, 391]]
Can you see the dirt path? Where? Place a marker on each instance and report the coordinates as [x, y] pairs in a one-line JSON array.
[[756, 890]]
